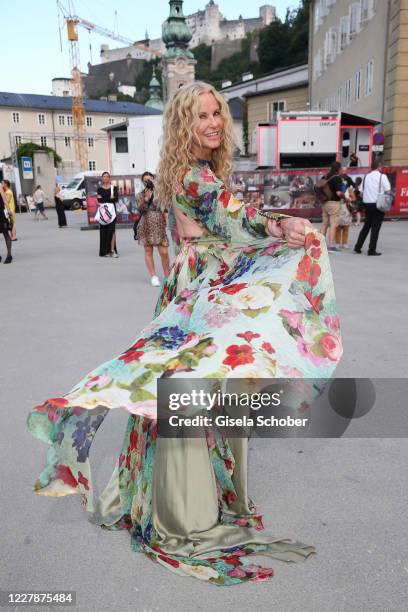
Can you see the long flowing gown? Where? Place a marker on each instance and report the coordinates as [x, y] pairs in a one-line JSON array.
[[237, 303]]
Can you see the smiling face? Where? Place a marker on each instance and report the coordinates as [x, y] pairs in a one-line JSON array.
[[210, 127]]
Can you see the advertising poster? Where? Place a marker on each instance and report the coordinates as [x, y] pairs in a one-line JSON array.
[[128, 187], [249, 187], [293, 191]]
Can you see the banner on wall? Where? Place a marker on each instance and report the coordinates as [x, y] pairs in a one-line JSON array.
[[293, 191], [290, 191], [126, 209]]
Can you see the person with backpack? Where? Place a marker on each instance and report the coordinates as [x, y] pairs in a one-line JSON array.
[[333, 191], [375, 183]]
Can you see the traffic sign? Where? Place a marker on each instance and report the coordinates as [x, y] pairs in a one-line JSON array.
[[27, 166], [378, 138], [378, 148]]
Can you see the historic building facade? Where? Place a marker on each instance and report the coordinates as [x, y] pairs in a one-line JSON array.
[[358, 63]]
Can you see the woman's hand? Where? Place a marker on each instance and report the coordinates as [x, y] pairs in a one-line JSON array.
[[148, 194], [294, 231]]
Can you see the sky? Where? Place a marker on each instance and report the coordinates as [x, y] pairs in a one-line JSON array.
[[35, 53]]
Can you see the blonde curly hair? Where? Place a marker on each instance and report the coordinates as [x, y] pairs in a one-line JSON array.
[[180, 120]]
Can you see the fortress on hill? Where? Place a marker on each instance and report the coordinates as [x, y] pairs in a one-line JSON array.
[[207, 26]]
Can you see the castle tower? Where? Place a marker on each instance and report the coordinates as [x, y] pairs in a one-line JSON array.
[[154, 100], [212, 23], [178, 61], [267, 13]]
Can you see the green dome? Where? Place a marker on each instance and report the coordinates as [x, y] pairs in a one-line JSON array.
[[175, 32], [155, 100]]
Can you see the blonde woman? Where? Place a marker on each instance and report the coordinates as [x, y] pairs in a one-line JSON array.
[[249, 295]]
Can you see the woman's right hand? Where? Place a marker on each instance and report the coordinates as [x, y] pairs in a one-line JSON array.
[[148, 194]]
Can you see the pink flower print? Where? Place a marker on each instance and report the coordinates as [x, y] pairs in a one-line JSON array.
[[270, 250], [294, 319], [303, 347], [207, 176], [331, 347], [332, 323], [237, 573], [183, 309]]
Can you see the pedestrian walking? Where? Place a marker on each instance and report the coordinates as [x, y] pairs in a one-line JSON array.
[[39, 198], [375, 183], [11, 205], [354, 160], [151, 228], [107, 194], [331, 208], [60, 206], [5, 224], [219, 314]]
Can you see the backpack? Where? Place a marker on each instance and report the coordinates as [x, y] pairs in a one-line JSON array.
[[322, 190]]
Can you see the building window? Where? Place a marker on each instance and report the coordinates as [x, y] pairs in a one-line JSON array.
[[339, 97], [274, 107], [89, 121], [317, 65], [344, 37], [111, 120], [367, 9], [67, 141], [61, 119], [41, 118], [43, 141], [92, 164], [317, 17], [330, 46], [347, 90], [121, 144], [357, 86], [17, 140], [355, 18], [69, 120], [369, 78], [16, 117], [324, 10], [333, 103], [91, 143]]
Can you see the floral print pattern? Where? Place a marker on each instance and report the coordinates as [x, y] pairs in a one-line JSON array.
[[237, 303]]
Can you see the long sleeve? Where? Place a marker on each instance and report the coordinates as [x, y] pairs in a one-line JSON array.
[[209, 203], [142, 206]]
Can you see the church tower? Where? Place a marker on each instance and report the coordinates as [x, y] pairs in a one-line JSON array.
[[178, 61], [154, 100]]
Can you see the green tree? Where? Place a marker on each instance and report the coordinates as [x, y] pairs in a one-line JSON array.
[[202, 54], [274, 46], [299, 33], [27, 149]]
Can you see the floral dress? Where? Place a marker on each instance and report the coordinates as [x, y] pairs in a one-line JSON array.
[[237, 303]]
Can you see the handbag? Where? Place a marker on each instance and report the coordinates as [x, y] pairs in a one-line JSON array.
[[106, 213], [384, 200]]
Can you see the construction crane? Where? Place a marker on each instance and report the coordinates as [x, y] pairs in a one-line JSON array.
[[78, 108]]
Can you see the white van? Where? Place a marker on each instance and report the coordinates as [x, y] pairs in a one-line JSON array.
[[74, 194]]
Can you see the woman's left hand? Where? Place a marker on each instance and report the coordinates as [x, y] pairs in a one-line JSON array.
[[294, 231]]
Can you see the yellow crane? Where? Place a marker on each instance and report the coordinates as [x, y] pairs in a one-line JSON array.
[[78, 108]]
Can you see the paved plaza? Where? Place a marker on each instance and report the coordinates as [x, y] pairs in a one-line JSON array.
[[64, 310]]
